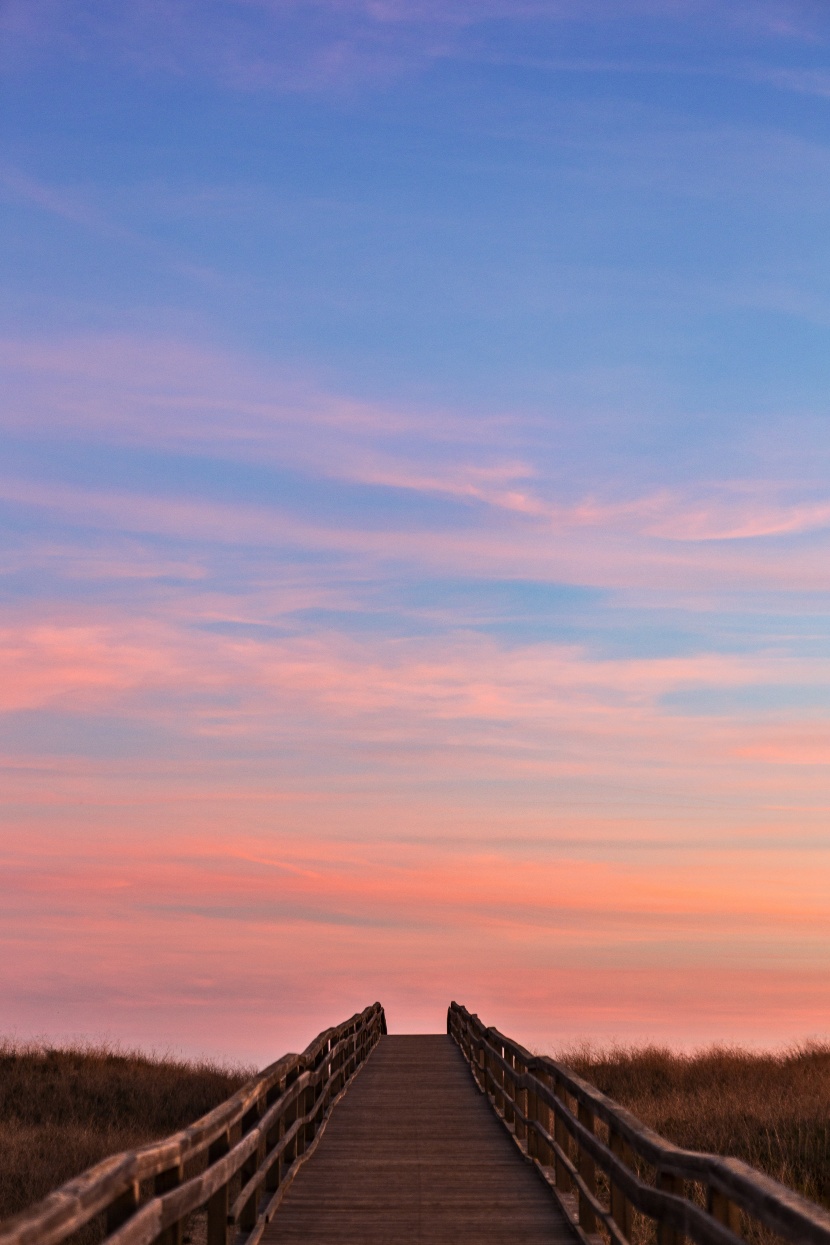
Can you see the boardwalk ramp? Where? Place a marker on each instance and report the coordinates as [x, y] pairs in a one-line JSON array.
[[414, 1154]]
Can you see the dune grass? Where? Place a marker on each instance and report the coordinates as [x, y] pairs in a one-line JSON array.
[[771, 1110], [61, 1111]]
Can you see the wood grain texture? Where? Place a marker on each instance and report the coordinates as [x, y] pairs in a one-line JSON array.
[[414, 1153]]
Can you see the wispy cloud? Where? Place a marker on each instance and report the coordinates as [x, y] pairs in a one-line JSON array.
[[802, 80], [79, 206], [172, 395], [324, 45]]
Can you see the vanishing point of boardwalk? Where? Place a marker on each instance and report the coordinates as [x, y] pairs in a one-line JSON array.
[[414, 1153]]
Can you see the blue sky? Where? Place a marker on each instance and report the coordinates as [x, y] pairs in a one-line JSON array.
[[577, 212], [415, 464]]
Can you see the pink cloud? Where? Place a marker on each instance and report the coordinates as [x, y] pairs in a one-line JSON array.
[[207, 927], [80, 665], [796, 744], [314, 732], [741, 513], [469, 677]]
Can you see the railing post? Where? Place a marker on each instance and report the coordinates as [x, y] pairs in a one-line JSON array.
[[309, 1099], [289, 1118], [520, 1099], [341, 1078], [247, 1217], [218, 1205], [299, 1140], [122, 1208], [509, 1088], [499, 1097], [543, 1113], [587, 1170], [274, 1175], [533, 1116], [163, 1183], [621, 1210], [563, 1176], [726, 1212], [669, 1183], [310, 1126], [331, 1069]]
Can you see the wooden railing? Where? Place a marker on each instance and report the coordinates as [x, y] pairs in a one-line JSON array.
[[604, 1166], [236, 1162]]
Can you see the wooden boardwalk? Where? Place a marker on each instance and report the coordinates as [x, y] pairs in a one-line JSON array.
[[387, 1140], [414, 1153]]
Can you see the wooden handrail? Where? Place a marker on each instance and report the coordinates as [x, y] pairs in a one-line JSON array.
[[262, 1135], [552, 1113]]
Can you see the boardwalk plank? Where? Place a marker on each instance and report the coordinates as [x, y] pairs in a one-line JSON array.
[[414, 1153]]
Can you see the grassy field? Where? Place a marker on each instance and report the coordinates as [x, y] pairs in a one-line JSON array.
[[772, 1111], [63, 1110]]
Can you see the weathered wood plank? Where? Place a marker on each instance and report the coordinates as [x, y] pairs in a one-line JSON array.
[[413, 1153]]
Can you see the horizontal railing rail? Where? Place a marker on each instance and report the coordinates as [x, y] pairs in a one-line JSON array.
[[257, 1141], [553, 1114]]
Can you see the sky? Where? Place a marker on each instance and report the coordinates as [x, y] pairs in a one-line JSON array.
[[415, 511]]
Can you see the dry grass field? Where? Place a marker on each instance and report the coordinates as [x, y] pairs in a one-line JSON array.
[[772, 1111], [63, 1110]]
